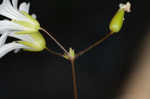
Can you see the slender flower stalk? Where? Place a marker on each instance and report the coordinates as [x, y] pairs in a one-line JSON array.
[[93, 45], [60, 45], [54, 53], [74, 78]]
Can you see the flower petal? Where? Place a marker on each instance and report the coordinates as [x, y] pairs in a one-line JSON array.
[[3, 39], [24, 7], [6, 25], [15, 4], [23, 37], [7, 10], [10, 47]]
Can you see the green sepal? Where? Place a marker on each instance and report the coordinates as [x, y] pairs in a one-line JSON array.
[[25, 32], [37, 45], [117, 21], [70, 55], [30, 18], [34, 25]]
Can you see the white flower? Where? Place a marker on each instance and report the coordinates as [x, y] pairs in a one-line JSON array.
[[21, 26], [19, 18]]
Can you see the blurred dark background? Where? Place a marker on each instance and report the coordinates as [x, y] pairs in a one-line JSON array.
[[76, 24]]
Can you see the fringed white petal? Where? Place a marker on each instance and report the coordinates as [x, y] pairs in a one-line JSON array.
[[24, 7], [6, 2], [10, 47], [3, 39], [6, 25], [7, 10], [15, 4], [34, 16], [23, 37]]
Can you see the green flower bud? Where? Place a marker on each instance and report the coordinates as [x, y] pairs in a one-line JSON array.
[[70, 55], [117, 20]]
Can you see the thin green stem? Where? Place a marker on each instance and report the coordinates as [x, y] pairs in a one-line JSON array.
[[59, 44], [75, 88], [53, 52], [93, 45]]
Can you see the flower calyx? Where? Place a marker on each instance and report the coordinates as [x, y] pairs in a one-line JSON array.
[[117, 20], [70, 55]]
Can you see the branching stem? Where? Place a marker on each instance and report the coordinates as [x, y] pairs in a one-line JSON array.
[[72, 59], [54, 53], [93, 45]]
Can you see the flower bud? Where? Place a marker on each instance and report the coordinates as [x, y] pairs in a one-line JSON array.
[[71, 55], [117, 20]]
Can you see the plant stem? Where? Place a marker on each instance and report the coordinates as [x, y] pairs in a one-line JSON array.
[[60, 45], [53, 52], [94, 45], [75, 89]]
